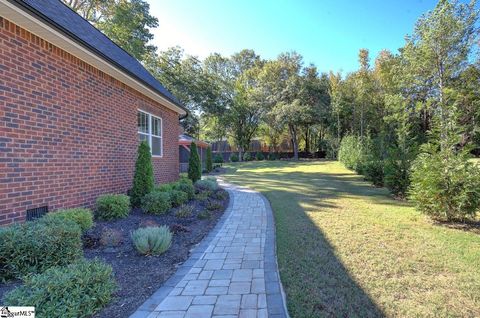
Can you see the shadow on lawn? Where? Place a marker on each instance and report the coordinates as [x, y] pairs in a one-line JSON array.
[[316, 281]]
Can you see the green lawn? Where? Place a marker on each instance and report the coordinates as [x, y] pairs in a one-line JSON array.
[[347, 249]]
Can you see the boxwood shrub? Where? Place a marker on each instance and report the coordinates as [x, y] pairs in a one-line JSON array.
[[77, 290], [177, 197], [33, 247], [83, 217], [156, 202], [186, 187], [113, 206], [207, 184]]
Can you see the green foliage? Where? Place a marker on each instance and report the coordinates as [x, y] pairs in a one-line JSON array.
[[77, 290], [234, 157], [397, 171], [166, 187], [157, 202], [203, 195], [207, 184], [152, 240], [350, 152], [185, 185], [112, 206], [204, 215], [259, 156], [220, 195], [83, 217], [209, 162], [178, 197], [218, 158], [184, 211], [33, 247], [247, 156], [445, 185], [194, 164], [213, 205], [143, 180], [272, 156]]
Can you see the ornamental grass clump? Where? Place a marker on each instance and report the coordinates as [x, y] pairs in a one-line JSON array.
[[185, 211], [209, 184], [152, 240]]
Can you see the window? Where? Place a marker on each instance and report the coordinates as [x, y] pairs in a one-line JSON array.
[[150, 129]]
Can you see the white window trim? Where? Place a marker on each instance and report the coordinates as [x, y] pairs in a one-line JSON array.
[[149, 134]]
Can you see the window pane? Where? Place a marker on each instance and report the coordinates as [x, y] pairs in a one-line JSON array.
[[156, 146], [156, 126], [142, 122]]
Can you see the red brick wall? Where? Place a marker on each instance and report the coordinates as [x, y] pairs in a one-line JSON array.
[[68, 132]]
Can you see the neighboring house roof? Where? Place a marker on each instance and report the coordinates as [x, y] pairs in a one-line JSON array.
[[63, 18], [186, 140]]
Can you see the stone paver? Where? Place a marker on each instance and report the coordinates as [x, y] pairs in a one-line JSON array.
[[231, 273]]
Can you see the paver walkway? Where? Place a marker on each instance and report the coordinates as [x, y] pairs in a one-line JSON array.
[[231, 273]]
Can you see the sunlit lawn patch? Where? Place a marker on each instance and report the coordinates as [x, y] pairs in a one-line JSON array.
[[346, 248]]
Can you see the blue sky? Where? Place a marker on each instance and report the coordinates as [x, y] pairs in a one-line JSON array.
[[328, 33]]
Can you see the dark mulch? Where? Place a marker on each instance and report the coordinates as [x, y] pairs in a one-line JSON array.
[[137, 276]]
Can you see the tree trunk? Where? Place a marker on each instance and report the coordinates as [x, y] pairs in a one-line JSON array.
[[307, 140], [293, 134]]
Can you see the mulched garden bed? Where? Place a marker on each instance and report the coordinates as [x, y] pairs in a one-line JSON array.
[[137, 276]]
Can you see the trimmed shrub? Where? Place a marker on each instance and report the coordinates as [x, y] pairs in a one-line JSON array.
[[445, 185], [247, 156], [186, 187], [220, 195], [177, 197], [218, 158], [33, 247], [83, 217], [207, 184], [204, 215], [194, 165], [234, 157], [272, 156], [397, 172], [209, 162], [203, 195], [143, 180], [259, 156], [77, 290], [350, 152], [113, 206], [156, 202], [152, 240], [185, 211], [373, 172], [213, 205], [166, 187]]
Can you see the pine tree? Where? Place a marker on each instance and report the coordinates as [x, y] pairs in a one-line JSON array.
[[209, 159], [194, 167], [143, 181]]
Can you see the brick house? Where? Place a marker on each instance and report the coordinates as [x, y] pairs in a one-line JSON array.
[[73, 107]]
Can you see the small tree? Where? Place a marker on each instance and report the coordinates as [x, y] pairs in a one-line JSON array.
[[194, 166], [143, 181], [209, 159]]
